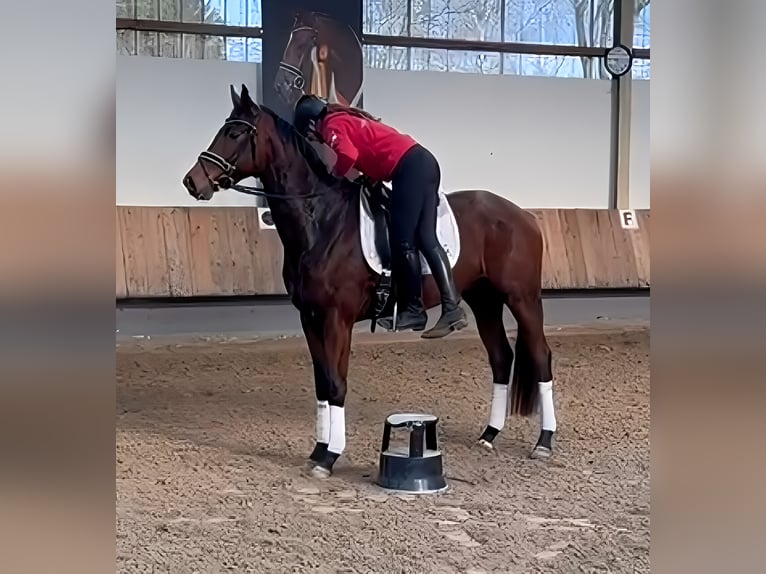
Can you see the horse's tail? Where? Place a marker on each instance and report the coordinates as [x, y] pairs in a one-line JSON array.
[[524, 385]]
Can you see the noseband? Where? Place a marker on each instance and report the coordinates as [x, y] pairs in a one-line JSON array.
[[297, 82]]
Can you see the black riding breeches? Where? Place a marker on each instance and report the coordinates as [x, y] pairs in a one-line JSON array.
[[414, 198]]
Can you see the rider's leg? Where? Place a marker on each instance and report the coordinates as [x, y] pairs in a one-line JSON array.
[[453, 316], [408, 275], [406, 206]]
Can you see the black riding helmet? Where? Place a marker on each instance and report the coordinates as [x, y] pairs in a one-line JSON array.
[[309, 109]]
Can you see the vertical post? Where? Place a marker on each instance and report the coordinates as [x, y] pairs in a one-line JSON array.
[[502, 35], [627, 26], [619, 177], [614, 144], [409, 33]]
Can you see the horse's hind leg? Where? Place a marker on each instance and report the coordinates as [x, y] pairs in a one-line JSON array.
[[533, 369], [487, 306]]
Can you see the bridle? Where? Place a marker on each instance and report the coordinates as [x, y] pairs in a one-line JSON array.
[[298, 82], [226, 179]]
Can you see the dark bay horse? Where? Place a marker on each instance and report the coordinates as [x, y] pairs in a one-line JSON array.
[[325, 273], [325, 52]]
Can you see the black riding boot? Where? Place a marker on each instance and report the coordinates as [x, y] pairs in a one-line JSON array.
[[408, 278], [453, 316]]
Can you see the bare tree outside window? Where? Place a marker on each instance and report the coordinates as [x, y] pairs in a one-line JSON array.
[[194, 46], [580, 23], [386, 18]]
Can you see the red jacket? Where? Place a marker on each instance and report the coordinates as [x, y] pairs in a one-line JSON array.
[[369, 146]]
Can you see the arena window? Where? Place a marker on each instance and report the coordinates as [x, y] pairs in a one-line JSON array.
[[563, 38], [194, 29]]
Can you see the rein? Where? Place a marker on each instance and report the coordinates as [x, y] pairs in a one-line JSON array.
[[260, 192], [229, 169]]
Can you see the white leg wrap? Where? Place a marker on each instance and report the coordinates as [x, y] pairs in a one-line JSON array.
[[337, 430], [499, 411], [547, 413], [323, 422]]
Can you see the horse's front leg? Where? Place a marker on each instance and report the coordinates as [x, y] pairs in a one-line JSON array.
[[313, 330], [329, 340]]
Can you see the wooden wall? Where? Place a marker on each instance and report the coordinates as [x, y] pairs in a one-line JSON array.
[[204, 251]]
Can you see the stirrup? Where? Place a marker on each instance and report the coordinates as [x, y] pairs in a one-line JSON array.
[[382, 295], [393, 323], [388, 323]]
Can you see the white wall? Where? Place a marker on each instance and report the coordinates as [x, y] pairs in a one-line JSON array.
[[639, 145], [541, 142], [168, 111]]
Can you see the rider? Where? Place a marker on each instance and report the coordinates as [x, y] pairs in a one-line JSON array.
[[362, 142]]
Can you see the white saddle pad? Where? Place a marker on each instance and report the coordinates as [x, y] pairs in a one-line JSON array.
[[446, 232]]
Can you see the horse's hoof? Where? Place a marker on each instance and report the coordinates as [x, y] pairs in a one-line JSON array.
[[319, 453], [486, 445], [320, 472], [541, 452]]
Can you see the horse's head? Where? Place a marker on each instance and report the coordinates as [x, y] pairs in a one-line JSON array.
[[233, 154], [290, 81]]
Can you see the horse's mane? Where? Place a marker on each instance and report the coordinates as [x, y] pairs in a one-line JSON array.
[[287, 130], [327, 218]]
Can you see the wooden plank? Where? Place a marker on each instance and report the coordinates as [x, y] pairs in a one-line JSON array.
[[178, 252], [121, 287], [556, 272], [153, 238], [242, 250], [574, 256], [548, 272], [272, 263], [222, 264], [609, 260], [135, 268], [640, 241], [618, 249], [267, 257], [201, 258], [590, 244], [229, 254], [144, 248], [546, 263], [223, 251]]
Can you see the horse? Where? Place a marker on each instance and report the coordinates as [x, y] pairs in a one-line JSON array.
[[317, 218], [334, 67]]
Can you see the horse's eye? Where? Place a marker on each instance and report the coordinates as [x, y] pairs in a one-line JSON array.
[[236, 134]]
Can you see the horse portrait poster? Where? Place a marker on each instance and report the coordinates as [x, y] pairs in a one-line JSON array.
[[312, 47]]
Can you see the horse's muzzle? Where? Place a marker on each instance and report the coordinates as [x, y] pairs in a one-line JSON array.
[[205, 193]]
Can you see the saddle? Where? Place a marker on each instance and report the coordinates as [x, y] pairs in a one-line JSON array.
[[376, 202], [374, 225]]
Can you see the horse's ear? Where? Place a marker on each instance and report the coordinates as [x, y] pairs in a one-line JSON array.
[[247, 101], [235, 99]]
